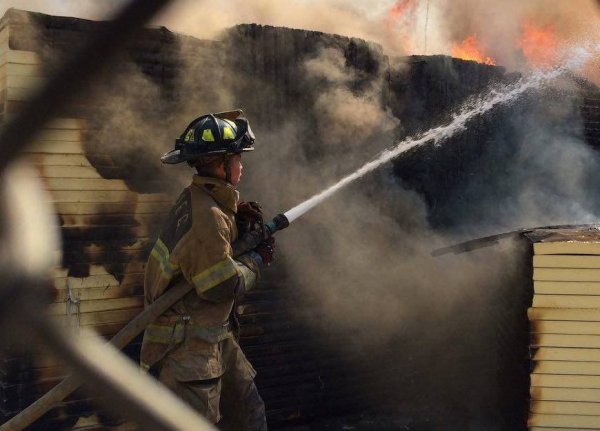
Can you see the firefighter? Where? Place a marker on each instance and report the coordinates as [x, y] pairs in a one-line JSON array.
[[192, 347]]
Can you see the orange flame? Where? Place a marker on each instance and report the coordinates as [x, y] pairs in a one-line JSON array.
[[539, 44], [470, 49], [398, 18], [400, 8]]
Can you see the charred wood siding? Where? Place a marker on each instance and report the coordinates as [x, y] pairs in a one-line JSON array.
[[110, 213], [106, 230]]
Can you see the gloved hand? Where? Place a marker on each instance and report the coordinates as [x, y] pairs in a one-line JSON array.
[[266, 250], [248, 217]]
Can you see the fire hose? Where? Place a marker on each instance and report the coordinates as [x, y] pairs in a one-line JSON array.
[[179, 289]]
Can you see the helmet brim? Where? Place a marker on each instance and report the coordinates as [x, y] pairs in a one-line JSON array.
[[174, 157]]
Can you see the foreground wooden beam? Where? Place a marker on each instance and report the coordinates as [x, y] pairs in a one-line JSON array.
[[120, 340]]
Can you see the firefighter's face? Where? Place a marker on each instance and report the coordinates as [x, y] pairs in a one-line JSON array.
[[235, 164]]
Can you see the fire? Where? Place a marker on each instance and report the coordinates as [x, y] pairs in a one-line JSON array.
[[539, 44], [400, 22], [400, 8], [470, 49]]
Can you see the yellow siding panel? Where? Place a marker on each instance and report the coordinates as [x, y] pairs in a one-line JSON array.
[[564, 327], [566, 354], [567, 287], [93, 306], [69, 172], [10, 69], [565, 394], [566, 248], [569, 421], [575, 314], [55, 147], [20, 57], [566, 367], [556, 429], [95, 293], [87, 208], [565, 408], [573, 382], [566, 261], [62, 135], [93, 196], [566, 301], [561, 340], [566, 274], [22, 82], [45, 159], [83, 184], [101, 317]]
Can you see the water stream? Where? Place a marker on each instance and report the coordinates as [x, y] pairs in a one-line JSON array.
[[470, 110]]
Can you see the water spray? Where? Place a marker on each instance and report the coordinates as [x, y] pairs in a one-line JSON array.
[[471, 109]]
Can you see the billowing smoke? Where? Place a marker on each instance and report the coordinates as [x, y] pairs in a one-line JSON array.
[[511, 32], [89, 9], [501, 28], [360, 263]]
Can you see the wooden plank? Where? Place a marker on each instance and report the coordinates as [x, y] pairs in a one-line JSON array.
[[58, 123], [566, 354], [17, 94], [566, 301], [137, 245], [566, 247], [561, 340], [96, 305], [565, 394], [25, 82], [566, 367], [10, 69], [98, 270], [66, 123], [104, 196], [574, 382], [566, 261], [564, 327], [61, 135], [55, 147], [90, 208], [101, 280], [565, 408], [567, 287], [565, 421], [47, 159], [572, 314], [554, 429], [107, 233], [102, 317], [19, 57], [83, 184], [566, 274], [93, 196], [102, 219], [78, 172], [91, 281]]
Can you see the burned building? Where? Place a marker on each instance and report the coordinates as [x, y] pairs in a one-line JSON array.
[[323, 104]]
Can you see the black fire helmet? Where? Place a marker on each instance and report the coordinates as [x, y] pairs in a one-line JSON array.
[[212, 134]]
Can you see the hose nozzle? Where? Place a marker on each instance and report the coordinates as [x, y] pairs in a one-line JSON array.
[[279, 222]]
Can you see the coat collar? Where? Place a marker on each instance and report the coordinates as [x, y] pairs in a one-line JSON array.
[[221, 191]]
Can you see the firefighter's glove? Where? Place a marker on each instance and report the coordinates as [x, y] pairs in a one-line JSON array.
[[248, 217], [266, 250]]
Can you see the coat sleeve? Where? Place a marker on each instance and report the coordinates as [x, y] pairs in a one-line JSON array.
[[205, 259]]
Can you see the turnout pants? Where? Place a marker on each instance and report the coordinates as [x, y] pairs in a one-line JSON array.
[[218, 381]]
